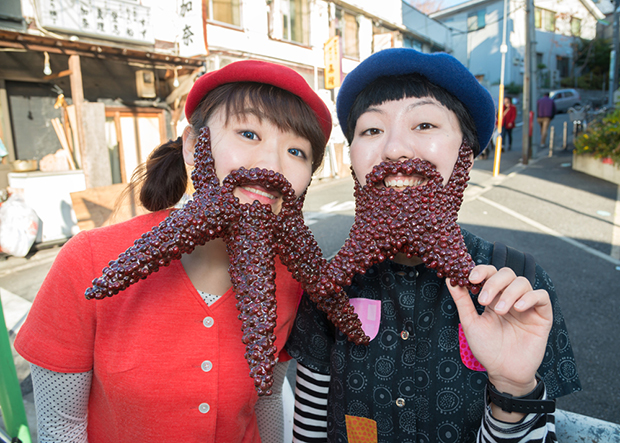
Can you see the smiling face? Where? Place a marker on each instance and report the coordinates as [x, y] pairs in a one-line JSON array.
[[251, 142], [399, 130]]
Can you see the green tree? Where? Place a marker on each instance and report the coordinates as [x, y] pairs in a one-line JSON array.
[[593, 55], [591, 62]]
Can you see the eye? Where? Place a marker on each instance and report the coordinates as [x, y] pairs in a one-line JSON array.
[[249, 135], [372, 131], [425, 126], [297, 152]]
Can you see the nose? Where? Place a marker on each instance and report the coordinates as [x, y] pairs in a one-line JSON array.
[[268, 157], [398, 147]]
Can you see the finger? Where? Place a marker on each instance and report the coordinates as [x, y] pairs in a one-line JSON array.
[[464, 303], [481, 273], [538, 300], [494, 286], [515, 290]]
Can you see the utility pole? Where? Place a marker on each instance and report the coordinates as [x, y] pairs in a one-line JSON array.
[[527, 75], [613, 60], [500, 112]]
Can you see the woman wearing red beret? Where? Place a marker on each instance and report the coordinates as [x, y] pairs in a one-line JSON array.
[[164, 359]]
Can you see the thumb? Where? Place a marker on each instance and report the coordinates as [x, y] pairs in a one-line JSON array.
[[464, 303]]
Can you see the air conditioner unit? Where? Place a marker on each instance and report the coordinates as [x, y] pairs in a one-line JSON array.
[[145, 83]]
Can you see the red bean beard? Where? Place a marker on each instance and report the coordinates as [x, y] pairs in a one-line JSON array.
[[252, 234], [417, 221]]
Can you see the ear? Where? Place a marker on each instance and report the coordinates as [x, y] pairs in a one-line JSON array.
[[471, 158], [189, 142]]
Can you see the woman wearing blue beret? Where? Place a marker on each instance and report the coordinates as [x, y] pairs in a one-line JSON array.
[[444, 363]]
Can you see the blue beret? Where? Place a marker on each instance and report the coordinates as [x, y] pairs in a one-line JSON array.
[[439, 68]]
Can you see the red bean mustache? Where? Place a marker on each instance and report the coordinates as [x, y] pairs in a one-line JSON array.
[[253, 236], [417, 221]]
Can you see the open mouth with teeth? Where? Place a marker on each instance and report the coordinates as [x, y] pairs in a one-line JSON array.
[[402, 176], [259, 193], [264, 186], [400, 183]]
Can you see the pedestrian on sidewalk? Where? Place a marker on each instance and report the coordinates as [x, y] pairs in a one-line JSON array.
[[165, 360], [508, 122], [545, 111], [442, 364]]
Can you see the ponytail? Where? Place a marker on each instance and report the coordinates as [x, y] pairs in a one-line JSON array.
[[161, 180], [163, 176]]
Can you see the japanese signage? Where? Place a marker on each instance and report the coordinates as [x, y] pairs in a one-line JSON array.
[[109, 19], [190, 28], [332, 63]]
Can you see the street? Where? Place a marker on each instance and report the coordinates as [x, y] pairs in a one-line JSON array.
[[569, 221]]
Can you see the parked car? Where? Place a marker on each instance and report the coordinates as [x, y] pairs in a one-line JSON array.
[[565, 98]]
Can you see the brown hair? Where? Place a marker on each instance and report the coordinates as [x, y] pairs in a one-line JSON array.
[[163, 178]]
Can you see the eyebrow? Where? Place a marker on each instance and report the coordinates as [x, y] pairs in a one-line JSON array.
[[421, 102]]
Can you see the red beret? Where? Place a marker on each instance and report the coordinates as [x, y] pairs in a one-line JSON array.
[[260, 72]]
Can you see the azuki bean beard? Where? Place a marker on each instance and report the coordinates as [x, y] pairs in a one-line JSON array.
[[253, 236], [416, 221]]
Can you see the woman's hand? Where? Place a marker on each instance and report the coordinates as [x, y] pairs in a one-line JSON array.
[[510, 337]]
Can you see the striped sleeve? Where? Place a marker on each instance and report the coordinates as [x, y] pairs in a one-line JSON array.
[[310, 419], [534, 428]]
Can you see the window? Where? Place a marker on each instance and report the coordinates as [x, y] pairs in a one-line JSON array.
[[382, 38], [347, 28], [225, 11], [131, 135], [575, 26], [295, 20], [476, 20], [544, 19], [549, 21], [563, 66], [410, 42]]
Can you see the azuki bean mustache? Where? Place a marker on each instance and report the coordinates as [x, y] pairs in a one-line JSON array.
[[417, 221], [253, 236]]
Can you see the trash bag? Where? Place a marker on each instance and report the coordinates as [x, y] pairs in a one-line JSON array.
[[19, 224]]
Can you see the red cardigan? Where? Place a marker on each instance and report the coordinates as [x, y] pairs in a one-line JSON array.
[[509, 117], [148, 346]]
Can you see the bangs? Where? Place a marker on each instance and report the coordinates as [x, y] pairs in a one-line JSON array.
[[285, 110], [395, 88]]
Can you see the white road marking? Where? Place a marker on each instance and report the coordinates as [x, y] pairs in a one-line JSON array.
[[338, 207], [550, 231]]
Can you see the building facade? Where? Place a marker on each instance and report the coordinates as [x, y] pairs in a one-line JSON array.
[[477, 27], [103, 82]]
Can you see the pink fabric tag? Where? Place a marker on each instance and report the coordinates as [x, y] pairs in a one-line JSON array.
[[467, 357], [369, 312]]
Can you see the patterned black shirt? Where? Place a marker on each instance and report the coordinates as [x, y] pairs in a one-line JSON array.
[[411, 379]]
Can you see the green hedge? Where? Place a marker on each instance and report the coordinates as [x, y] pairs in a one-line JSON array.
[[602, 139]]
